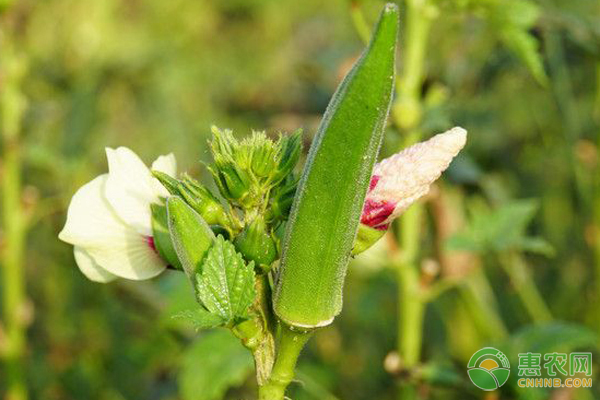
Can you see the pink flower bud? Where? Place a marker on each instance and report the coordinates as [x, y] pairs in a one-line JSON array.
[[400, 180]]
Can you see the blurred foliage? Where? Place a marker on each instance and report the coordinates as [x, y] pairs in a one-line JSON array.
[[522, 76]]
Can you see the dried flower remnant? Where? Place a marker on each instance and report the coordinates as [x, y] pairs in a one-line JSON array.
[[400, 180]]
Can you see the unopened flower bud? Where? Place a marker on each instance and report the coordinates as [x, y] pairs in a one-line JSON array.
[[202, 201], [263, 152], [290, 150], [282, 198], [234, 183], [256, 244]]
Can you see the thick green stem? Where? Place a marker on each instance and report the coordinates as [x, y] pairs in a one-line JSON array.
[[13, 283], [411, 305], [291, 344]]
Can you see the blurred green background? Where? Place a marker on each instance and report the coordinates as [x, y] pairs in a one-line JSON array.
[[507, 244]]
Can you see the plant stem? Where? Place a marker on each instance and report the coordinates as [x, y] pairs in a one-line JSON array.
[[407, 114], [290, 345], [13, 288], [411, 305]]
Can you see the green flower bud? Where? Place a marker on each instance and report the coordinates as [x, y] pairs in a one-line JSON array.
[[233, 183], [202, 201], [256, 244], [191, 235], [289, 154], [264, 154], [282, 198]]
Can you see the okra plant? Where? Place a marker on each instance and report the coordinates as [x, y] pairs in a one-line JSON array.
[[266, 257]]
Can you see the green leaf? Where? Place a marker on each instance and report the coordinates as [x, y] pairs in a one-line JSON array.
[[213, 364], [326, 211], [200, 318], [553, 336], [226, 284], [190, 234], [504, 228], [526, 47], [512, 24]]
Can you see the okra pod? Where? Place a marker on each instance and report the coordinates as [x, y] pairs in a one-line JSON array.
[[330, 196]]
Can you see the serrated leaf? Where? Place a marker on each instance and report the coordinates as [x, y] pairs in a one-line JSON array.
[[226, 284], [200, 318], [213, 364], [504, 228]]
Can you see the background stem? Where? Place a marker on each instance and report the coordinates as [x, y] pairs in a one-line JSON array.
[[13, 285], [406, 115]]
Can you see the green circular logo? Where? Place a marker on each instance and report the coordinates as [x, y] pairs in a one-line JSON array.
[[488, 368]]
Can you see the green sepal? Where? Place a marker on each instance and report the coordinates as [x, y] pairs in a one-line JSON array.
[[256, 244], [162, 237], [326, 212], [366, 237], [225, 283], [167, 181], [190, 234]]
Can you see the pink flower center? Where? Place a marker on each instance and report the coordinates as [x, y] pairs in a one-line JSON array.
[[150, 242], [376, 212]]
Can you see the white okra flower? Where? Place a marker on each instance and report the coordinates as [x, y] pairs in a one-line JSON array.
[[400, 180], [109, 220]]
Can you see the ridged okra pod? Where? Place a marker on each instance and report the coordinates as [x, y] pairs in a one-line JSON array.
[[328, 204]]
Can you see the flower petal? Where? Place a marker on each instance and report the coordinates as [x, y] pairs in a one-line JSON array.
[[130, 189], [131, 258], [90, 219], [167, 164], [90, 268], [114, 245]]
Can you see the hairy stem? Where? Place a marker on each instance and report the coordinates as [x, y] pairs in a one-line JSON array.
[[289, 347]]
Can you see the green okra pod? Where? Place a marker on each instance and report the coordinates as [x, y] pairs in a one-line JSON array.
[[329, 200]]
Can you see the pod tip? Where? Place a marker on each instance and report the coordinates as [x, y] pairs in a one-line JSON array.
[[390, 8]]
